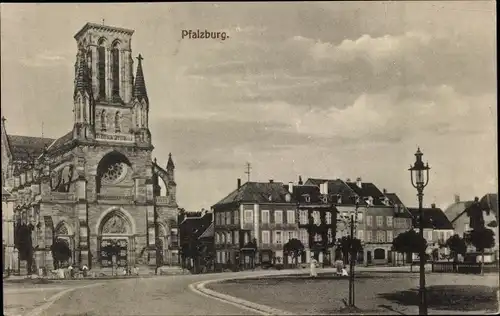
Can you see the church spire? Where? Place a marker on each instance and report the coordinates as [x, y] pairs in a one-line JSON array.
[[82, 79], [139, 91], [170, 163]]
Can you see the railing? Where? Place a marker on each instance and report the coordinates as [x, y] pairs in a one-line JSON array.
[[62, 196], [462, 267], [115, 197], [162, 199], [114, 137]]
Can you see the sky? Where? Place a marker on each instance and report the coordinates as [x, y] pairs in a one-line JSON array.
[[325, 90]]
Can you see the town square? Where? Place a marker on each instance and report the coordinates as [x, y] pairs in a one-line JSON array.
[[313, 158]]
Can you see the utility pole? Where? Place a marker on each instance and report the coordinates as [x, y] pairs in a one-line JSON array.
[[248, 168], [351, 264]]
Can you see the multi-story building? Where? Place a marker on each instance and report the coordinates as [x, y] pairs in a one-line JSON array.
[[9, 255], [265, 212], [379, 219], [98, 183], [488, 204], [196, 232], [437, 229]]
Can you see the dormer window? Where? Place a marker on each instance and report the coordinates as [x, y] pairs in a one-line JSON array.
[[339, 199], [325, 199], [270, 198], [307, 198]]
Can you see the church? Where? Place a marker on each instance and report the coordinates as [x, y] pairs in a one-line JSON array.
[[97, 185]]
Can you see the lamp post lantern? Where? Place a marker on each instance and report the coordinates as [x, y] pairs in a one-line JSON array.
[[419, 174]]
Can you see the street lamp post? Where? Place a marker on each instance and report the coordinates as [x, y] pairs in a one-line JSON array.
[[419, 179]]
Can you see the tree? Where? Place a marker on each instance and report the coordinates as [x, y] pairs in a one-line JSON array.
[[481, 239], [295, 248], [457, 246], [344, 244], [409, 242], [60, 252]]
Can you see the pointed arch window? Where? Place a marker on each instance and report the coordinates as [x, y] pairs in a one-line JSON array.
[[103, 120], [117, 122], [101, 71], [115, 70]]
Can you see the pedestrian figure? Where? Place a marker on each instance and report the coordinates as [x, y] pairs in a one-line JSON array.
[[313, 266], [339, 265], [71, 272], [84, 270], [344, 271], [124, 271], [136, 270]]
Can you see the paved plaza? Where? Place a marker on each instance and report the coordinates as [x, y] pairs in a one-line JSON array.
[[381, 293], [377, 291]]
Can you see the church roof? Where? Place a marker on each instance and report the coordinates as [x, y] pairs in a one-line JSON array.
[[139, 90], [27, 147], [61, 141]]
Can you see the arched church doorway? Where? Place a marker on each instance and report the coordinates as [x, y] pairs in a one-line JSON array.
[[64, 232], [116, 242]]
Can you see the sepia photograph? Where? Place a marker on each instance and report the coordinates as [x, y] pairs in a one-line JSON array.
[[250, 158]]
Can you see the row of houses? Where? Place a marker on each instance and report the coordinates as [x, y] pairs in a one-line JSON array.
[[271, 213]]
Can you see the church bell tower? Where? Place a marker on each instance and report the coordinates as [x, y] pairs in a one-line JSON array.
[[110, 105]]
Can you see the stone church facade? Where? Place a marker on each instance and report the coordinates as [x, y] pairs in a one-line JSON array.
[[98, 184]]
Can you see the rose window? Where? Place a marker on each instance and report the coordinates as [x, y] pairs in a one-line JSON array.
[[114, 172]]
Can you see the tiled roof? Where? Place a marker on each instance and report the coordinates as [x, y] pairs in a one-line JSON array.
[[301, 191], [209, 232], [433, 218], [257, 192], [367, 189], [336, 187], [456, 209], [194, 227], [27, 147], [68, 137], [394, 198]]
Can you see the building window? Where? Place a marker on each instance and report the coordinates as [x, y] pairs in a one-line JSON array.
[[278, 217], [229, 238], [228, 218], [265, 237], [328, 218], [117, 122], [290, 236], [380, 221], [360, 217], [217, 238], [369, 221], [389, 221], [429, 235], [236, 237], [390, 236], [237, 217], [248, 216], [380, 236], [303, 217], [467, 227], [290, 217], [101, 70], [265, 216], [369, 236], [303, 237], [115, 54], [278, 237], [361, 235]]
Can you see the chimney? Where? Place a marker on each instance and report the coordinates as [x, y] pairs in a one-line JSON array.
[[348, 180], [239, 183], [433, 205], [457, 198], [384, 190], [358, 182], [323, 188], [300, 180], [290, 187], [271, 181]]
